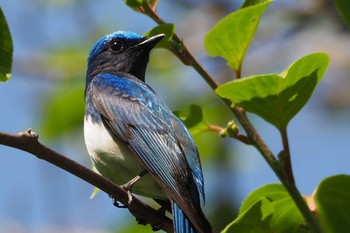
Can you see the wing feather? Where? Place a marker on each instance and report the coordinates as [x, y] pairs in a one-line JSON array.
[[135, 114]]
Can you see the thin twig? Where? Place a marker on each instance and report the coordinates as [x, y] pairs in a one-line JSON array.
[[223, 132], [28, 141]]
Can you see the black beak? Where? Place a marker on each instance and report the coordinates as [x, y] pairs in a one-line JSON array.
[[150, 42]]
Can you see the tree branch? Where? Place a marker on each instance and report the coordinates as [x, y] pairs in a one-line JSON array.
[[253, 136], [28, 141]]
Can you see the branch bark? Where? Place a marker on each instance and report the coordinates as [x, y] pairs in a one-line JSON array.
[[28, 141]]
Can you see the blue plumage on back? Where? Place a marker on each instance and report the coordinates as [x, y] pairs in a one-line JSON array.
[[129, 129]]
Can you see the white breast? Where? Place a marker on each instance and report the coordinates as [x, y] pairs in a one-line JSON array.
[[98, 141], [114, 160]]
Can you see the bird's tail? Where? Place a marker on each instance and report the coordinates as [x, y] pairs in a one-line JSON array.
[[183, 225]]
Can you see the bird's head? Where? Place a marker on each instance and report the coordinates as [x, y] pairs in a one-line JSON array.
[[121, 51]]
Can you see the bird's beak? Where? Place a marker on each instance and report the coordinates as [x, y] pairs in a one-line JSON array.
[[150, 42]]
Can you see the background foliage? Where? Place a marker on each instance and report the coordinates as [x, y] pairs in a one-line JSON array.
[[47, 88]]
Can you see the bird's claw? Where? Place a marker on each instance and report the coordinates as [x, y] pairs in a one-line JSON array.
[[117, 204], [127, 188]]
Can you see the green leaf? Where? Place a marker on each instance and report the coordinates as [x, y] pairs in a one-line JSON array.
[[231, 37], [343, 7], [6, 49], [167, 29], [255, 219], [63, 111], [332, 199], [268, 209], [278, 98], [194, 121]]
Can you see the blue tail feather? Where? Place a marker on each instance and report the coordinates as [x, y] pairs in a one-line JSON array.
[[181, 223]]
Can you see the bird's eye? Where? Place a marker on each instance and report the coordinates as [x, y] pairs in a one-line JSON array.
[[116, 46]]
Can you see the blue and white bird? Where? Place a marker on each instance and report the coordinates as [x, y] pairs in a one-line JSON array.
[[129, 131]]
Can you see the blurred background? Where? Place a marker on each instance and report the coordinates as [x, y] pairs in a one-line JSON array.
[[52, 40]]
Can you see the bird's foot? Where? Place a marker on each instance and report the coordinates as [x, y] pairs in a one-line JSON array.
[[117, 203], [127, 187]]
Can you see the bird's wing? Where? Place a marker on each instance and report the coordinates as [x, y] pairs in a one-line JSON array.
[[189, 149], [138, 116]]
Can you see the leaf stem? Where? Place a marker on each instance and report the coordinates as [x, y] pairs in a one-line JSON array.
[[256, 140], [285, 156], [238, 72]]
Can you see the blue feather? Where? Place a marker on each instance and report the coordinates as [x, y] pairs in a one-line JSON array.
[[150, 131], [181, 222], [136, 118]]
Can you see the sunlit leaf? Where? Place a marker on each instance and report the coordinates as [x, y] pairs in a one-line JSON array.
[[269, 209], [332, 199], [258, 215], [6, 49], [277, 98], [167, 29], [343, 7], [231, 37]]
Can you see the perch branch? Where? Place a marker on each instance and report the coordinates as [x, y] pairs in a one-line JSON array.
[[28, 141]]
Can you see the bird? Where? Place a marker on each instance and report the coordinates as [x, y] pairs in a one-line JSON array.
[[132, 136]]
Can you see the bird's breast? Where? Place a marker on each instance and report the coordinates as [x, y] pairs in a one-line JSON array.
[[110, 154], [115, 160]]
